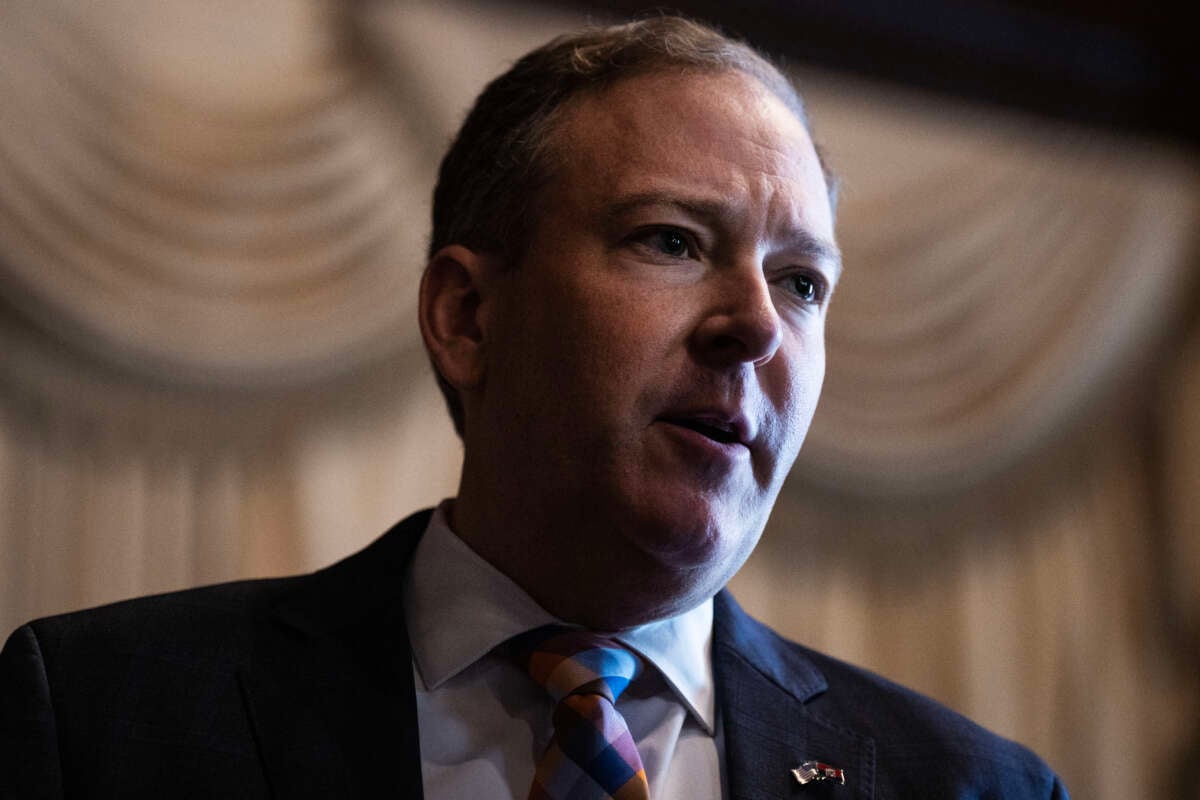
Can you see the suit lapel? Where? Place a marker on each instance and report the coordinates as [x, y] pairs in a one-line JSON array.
[[331, 698], [763, 686]]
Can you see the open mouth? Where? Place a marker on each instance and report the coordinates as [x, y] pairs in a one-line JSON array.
[[717, 431]]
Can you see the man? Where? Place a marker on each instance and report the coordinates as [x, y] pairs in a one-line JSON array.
[[630, 267]]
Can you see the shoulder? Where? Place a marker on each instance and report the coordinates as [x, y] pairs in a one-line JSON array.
[[88, 672], [86, 696], [227, 622], [182, 622], [919, 744], [206, 635], [165, 690]]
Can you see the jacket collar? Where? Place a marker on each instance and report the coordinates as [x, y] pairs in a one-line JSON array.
[[764, 684], [331, 697]]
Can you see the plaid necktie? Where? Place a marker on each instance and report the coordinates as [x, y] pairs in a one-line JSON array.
[[592, 755]]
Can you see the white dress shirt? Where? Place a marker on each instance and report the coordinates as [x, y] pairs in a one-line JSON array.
[[484, 723]]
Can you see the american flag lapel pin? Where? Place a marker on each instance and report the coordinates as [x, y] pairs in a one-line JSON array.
[[817, 772]]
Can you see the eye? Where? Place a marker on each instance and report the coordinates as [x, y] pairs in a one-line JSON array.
[[672, 242], [806, 287], [669, 242]]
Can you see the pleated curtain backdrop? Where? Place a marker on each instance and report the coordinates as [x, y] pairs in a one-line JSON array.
[[212, 219]]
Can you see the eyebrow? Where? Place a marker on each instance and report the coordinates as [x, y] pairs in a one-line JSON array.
[[808, 244], [819, 250], [697, 207]]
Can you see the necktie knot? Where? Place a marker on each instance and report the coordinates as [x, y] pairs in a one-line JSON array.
[[592, 755], [581, 662]]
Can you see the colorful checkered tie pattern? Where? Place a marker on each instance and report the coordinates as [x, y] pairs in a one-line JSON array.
[[592, 755]]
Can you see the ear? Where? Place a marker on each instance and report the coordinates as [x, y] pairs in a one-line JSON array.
[[454, 288]]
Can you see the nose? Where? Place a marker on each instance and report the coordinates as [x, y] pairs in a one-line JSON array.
[[741, 325]]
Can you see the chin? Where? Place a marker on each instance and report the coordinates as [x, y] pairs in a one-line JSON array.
[[694, 536], [681, 556]]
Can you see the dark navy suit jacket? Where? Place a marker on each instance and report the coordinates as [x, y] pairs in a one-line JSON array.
[[303, 687]]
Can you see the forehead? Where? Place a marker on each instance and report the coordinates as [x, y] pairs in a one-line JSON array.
[[720, 136]]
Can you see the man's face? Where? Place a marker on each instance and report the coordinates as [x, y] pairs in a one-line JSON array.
[[654, 360]]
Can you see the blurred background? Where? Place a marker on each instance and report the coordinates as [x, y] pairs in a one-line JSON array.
[[212, 217]]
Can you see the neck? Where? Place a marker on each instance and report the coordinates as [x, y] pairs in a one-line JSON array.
[[588, 586]]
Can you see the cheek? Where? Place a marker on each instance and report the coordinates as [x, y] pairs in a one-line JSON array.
[[796, 397], [814, 377], [619, 334], [589, 361], [810, 378]]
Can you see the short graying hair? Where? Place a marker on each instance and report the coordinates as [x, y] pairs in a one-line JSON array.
[[498, 162]]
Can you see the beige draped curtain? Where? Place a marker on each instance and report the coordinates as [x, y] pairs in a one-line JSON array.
[[211, 224]]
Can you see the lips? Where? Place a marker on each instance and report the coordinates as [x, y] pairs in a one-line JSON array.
[[724, 428]]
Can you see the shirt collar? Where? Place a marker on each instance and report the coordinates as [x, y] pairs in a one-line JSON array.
[[458, 608]]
